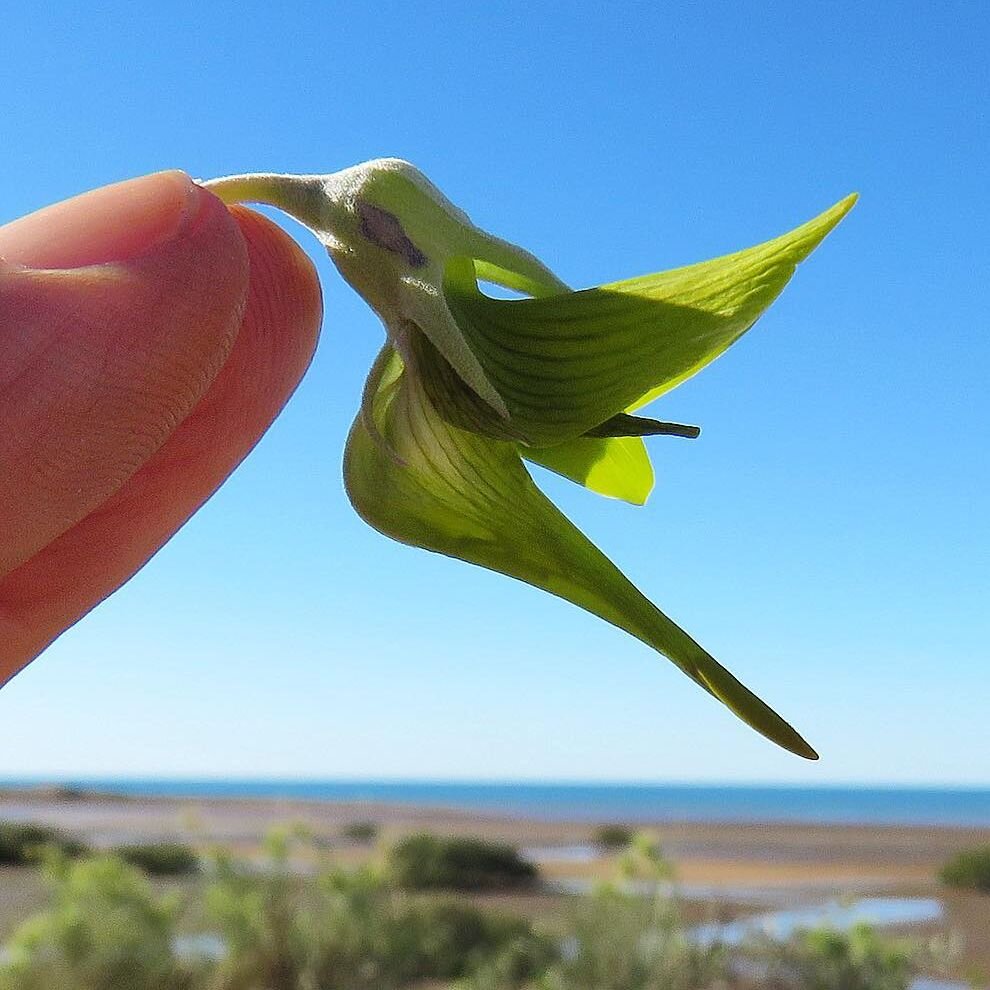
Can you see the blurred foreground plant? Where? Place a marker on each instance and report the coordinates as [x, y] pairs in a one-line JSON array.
[[617, 940], [467, 388], [825, 959], [106, 929], [346, 930], [276, 926]]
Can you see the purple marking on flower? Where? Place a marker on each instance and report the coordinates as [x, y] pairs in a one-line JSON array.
[[385, 230]]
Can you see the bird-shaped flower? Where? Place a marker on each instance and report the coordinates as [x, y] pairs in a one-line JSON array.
[[468, 388]]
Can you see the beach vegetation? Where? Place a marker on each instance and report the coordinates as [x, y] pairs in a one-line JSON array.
[[643, 860], [349, 930], [26, 842], [160, 859], [105, 929], [969, 869], [613, 836], [430, 862], [826, 959], [620, 941], [282, 925], [360, 832]]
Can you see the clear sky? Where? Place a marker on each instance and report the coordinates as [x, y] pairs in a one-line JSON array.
[[827, 537]]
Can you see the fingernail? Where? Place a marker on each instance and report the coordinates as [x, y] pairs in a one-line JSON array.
[[116, 223]]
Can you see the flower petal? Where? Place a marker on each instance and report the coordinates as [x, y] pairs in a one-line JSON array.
[[469, 496], [618, 467], [566, 363], [424, 309]]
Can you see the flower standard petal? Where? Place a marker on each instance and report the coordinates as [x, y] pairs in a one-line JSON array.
[[567, 363]]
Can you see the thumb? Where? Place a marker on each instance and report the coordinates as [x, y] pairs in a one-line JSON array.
[[110, 365], [117, 310]]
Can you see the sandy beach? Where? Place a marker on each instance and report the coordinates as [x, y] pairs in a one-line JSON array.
[[722, 870]]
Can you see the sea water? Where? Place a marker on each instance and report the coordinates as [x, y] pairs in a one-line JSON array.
[[601, 802]]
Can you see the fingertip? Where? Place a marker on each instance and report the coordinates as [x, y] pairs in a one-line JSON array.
[[284, 286], [115, 223]]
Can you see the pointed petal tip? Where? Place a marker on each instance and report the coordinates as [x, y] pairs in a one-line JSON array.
[[805, 751], [482, 387], [497, 403], [800, 242], [840, 209], [789, 739], [837, 212], [784, 735]]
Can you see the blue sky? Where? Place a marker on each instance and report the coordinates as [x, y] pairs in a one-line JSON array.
[[827, 537]]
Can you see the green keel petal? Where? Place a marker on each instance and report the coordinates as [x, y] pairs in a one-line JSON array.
[[566, 363], [618, 467], [469, 496]]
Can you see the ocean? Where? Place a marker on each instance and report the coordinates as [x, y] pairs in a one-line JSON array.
[[634, 803]]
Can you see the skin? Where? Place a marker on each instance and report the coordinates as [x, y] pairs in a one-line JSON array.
[[149, 335]]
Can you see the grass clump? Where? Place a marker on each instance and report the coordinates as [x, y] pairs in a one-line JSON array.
[[160, 859], [430, 862], [969, 869]]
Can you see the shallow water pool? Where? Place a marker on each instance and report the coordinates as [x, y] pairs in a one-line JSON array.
[[880, 912]]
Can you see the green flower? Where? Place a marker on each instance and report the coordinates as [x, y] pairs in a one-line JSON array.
[[467, 388]]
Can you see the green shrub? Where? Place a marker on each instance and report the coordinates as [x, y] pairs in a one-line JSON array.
[[617, 941], [824, 959], [105, 930], [160, 859], [363, 832], [429, 862], [338, 931], [457, 939], [255, 915], [643, 860], [347, 931], [22, 843], [613, 836], [970, 868]]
